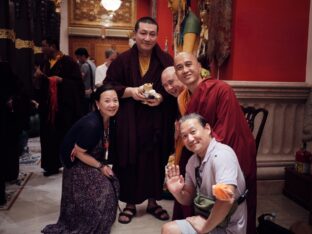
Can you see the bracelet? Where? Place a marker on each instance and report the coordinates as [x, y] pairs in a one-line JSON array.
[[101, 165]]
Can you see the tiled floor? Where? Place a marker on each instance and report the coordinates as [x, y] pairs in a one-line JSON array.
[[39, 202]]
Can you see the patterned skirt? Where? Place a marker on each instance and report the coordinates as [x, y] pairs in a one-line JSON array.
[[89, 202]]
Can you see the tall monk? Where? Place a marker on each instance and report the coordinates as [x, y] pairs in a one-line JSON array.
[[216, 101], [144, 123]]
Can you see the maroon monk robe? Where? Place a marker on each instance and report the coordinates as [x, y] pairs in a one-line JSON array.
[[144, 134], [217, 103], [70, 94]]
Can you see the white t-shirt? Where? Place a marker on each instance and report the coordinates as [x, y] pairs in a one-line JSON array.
[[100, 74], [220, 165]]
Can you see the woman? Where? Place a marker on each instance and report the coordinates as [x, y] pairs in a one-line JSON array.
[[90, 189]]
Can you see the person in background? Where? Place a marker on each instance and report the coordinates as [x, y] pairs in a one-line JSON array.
[[90, 189], [144, 124], [216, 102], [61, 94], [9, 163], [87, 68], [100, 72], [212, 165], [14, 119]]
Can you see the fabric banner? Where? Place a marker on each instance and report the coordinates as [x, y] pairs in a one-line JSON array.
[[220, 23]]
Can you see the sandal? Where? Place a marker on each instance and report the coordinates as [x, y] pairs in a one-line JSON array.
[[158, 212], [127, 212]]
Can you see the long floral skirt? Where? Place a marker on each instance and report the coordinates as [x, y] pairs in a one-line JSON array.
[[89, 202]]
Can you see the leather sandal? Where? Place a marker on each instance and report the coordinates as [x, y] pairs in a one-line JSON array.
[[127, 212], [158, 212]]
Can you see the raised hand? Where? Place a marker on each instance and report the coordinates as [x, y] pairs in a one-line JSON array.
[[174, 181]]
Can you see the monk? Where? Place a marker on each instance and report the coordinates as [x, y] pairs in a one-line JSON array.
[[60, 102], [216, 101], [145, 124]]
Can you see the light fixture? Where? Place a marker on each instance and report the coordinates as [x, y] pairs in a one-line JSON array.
[[111, 5]]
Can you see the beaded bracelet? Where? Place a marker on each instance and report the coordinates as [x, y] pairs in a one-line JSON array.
[[101, 165]]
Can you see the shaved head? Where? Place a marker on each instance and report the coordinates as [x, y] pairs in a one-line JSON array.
[[170, 82], [187, 70]]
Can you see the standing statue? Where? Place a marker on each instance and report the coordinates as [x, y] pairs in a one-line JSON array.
[[186, 26], [203, 6]]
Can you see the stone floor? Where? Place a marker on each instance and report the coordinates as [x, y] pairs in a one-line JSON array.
[[39, 202]]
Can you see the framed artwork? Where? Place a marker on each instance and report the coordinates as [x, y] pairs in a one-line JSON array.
[[91, 14]]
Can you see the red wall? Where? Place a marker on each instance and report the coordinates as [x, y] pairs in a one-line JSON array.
[[269, 41], [143, 7], [164, 19], [269, 38]]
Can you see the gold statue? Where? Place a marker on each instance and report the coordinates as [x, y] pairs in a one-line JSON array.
[[186, 26]]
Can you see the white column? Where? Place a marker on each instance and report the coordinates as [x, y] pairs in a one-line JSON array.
[[64, 27]]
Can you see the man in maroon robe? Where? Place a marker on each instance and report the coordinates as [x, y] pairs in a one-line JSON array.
[[60, 102], [217, 103], [144, 127]]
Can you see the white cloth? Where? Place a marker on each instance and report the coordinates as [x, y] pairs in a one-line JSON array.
[[220, 165], [100, 74]]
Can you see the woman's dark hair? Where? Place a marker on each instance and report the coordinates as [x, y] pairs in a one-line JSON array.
[[103, 88]]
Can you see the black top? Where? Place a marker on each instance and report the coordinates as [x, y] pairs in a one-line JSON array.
[[86, 133]]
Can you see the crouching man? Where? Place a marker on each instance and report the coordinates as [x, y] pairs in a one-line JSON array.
[[213, 183]]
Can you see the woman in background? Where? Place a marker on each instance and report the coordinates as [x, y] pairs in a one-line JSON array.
[[90, 189]]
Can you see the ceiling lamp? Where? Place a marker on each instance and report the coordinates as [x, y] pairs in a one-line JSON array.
[[111, 5]]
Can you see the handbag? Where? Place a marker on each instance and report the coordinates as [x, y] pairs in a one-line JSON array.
[[203, 206]]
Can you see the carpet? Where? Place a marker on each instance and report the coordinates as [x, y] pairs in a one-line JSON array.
[[14, 188], [29, 160]]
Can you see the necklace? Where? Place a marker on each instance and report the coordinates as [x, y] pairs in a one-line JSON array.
[[106, 141], [106, 138]]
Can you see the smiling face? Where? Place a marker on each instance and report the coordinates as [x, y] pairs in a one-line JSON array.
[[187, 69], [146, 37], [195, 137], [171, 83], [108, 103]]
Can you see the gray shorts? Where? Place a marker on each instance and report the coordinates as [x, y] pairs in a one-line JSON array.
[[185, 227]]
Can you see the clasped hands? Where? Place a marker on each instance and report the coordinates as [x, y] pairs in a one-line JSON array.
[[87, 159]]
